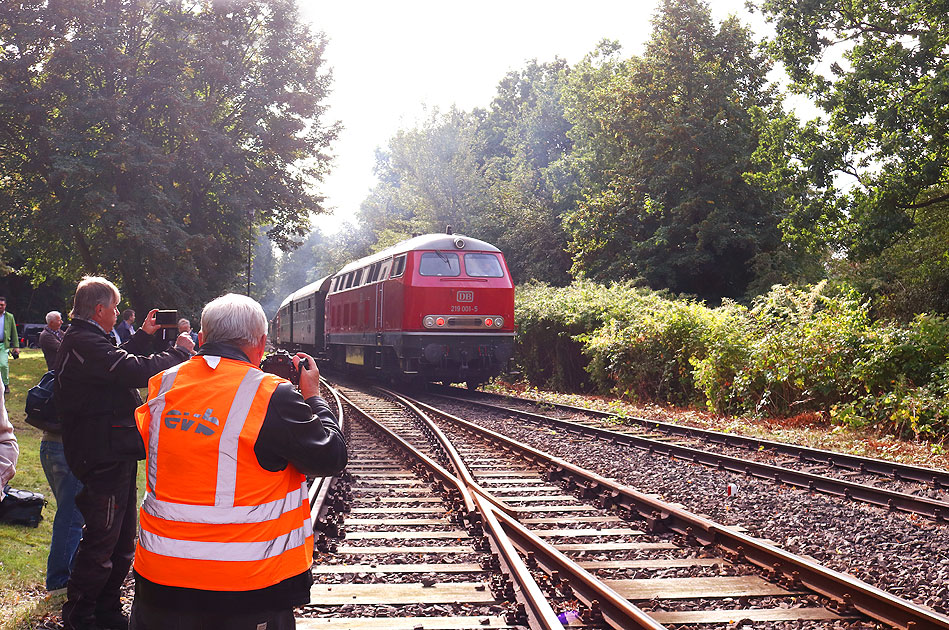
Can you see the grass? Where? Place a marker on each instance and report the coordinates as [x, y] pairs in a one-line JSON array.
[[23, 550]]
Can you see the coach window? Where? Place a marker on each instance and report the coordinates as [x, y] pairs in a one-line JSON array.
[[483, 266], [439, 264], [384, 269], [398, 268]]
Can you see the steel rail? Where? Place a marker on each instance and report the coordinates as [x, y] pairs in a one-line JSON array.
[[897, 470], [782, 566], [883, 497], [461, 470], [616, 610], [322, 487], [481, 513]]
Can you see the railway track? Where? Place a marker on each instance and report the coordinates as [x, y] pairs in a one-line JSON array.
[[590, 551], [414, 543], [892, 485]]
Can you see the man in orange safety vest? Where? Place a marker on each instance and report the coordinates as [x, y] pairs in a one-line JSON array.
[[225, 539]]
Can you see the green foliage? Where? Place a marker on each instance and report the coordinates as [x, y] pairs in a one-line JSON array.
[[147, 140], [811, 350], [788, 354], [667, 139], [550, 322], [880, 72], [496, 174], [912, 274], [647, 353]]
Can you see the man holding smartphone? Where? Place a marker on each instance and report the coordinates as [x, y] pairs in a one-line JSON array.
[[96, 395]]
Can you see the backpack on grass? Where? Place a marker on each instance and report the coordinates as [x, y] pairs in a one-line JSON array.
[[22, 507]]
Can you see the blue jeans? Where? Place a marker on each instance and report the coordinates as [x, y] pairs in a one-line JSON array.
[[67, 524]]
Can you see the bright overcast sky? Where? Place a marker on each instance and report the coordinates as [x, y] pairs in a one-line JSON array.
[[392, 60]]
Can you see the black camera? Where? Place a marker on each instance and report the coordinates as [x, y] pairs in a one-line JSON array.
[[280, 363], [168, 323]]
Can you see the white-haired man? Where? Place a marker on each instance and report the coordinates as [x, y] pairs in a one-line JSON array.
[[225, 539], [51, 337], [96, 395]]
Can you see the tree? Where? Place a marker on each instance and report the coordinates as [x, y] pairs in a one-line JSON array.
[[429, 178], [521, 146], [147, 140], [880, 71], [496, 174], [664, 144]]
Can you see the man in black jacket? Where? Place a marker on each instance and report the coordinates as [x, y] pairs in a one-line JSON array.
[[186, 573], [96, 395]]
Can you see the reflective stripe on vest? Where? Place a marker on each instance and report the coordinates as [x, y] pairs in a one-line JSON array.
[[212, 514], [157, 407], [221, 551]]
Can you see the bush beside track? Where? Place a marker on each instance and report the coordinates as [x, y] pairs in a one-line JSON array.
[[809, 350]]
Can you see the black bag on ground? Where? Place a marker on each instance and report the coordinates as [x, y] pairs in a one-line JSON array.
[[41, 405], [22, 507]]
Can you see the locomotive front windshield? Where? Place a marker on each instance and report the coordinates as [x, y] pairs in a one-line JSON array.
[[483, 266], [439, 264]]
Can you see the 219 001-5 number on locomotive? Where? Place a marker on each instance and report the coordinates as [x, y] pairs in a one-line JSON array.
[[437, 307]]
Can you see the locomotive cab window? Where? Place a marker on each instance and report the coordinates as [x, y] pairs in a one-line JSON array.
[[398, 268], [439, 264], [483, 266]]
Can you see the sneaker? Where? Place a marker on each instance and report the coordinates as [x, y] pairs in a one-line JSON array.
[[56, 592]]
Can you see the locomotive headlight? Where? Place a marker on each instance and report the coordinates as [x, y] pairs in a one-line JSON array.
[[429, 321], [440, 321], [488, 321], [498, 322]]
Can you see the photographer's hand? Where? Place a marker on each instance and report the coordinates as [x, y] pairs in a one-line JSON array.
[[150, 325], [309, 378], [185, 341]]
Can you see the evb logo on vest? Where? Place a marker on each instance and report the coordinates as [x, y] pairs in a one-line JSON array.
[[185, 421]]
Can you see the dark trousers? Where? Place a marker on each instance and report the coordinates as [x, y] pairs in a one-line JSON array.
[[107, 502], [148, 617]]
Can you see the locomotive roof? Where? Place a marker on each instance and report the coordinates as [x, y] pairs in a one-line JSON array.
[[309, 289], [445, 242]]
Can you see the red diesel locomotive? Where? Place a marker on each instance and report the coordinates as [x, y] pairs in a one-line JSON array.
[[437, 307]]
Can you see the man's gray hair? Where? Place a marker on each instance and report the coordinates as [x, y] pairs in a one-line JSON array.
[[52, 315], [233, 319], [93, 290]]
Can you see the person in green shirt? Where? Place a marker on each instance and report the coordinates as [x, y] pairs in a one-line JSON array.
[[9, 340]]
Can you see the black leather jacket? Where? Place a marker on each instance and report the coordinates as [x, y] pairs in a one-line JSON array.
[[303, 433], [97, 393]]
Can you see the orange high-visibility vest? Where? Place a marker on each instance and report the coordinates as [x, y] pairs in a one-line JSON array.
[[212, 518]]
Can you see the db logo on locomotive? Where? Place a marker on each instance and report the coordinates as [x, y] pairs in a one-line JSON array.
[[465, 296]]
